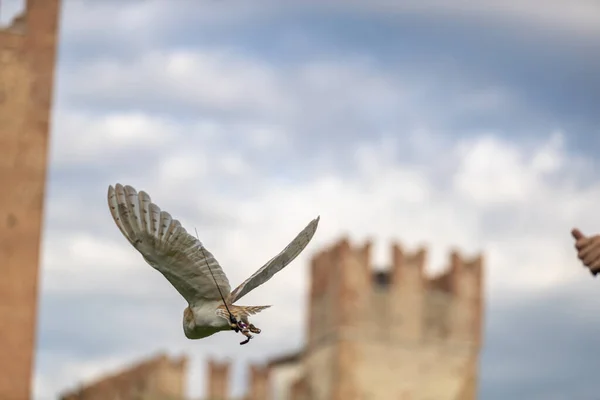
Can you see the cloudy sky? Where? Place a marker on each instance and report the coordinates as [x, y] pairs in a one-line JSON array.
[[447, 124]]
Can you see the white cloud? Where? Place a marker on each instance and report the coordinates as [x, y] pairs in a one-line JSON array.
[[493, 172], [214, 78], [87, 250], [130, 19], [80, 137], [216, 81], [186, 167]]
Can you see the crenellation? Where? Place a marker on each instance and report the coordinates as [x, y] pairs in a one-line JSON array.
[[456, 269], [406, 295], [258, 385], [463, 313], [456, 260], [319, 273], [321, 297], [408, 269], [355, 284], [466, 273], [473, 271], [299, 390], [365, 254], [453, 302], [340, 287], [397, 263], [342, 248], [171, 373], [218, 375]]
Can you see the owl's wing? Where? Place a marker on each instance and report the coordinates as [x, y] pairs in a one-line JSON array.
[[166, 245], [278, 262]]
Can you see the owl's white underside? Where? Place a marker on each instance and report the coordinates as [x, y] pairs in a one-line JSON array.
[[205, 321]]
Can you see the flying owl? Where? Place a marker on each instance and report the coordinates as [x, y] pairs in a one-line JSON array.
[[191, 268]]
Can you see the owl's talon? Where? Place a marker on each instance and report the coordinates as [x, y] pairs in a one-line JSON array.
[[241, 326], [254, 329]]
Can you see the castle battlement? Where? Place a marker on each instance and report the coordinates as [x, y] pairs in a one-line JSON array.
[[402, 301], [405, 266], [218, 379]]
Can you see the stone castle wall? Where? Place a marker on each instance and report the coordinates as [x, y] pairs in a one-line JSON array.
[[157, 378], [392, 334]]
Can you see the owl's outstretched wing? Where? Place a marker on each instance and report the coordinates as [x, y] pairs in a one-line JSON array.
[[278, 262], [166, 245]]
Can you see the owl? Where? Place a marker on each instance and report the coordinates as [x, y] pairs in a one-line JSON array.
[[191, 268]]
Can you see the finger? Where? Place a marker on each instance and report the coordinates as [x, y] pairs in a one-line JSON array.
[[587, 245], [591, 255], [576, 233], [584, 253], [582, 244]]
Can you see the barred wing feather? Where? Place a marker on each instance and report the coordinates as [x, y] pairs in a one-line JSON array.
[[166, 245], [278, 262]]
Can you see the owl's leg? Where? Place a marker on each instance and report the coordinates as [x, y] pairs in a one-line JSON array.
[[245, 331], [234, 324], [240, 325], [250, 326]]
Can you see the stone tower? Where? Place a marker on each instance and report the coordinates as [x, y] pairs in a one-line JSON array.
[[391, 335], [27, 59], [218, 380]]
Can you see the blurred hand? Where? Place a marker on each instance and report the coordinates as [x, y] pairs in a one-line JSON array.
[[588, 250]]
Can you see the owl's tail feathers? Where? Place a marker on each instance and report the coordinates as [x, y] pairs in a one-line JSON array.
[[245, 311], [254, 309]]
